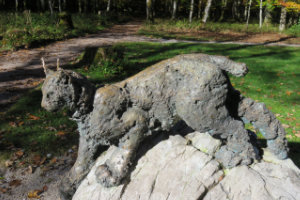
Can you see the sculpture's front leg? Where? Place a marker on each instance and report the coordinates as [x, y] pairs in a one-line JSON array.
[[80, 169], [116, 167], [260, 117]]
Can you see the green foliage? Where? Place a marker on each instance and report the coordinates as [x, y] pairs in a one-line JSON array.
[[34, 29], [295, 29]]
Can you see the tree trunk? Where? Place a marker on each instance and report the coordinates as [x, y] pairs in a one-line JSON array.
[[246, 10], [108, 5], [149, 10], [59, 6], [206, 11], [191, 11], [17, 5], [50, 6], [85, 6], [64, 4], [248, 13], [174, 11], [43, 4], [79, 6], [282, 18], [224, 5], [260, 13], [268, 16], [199, 9]]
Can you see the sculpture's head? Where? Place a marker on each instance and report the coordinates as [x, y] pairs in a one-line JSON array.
[[65, 88]]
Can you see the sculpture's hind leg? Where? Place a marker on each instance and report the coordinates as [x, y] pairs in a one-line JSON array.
[[116, 167], [260, 117], [213, 116]]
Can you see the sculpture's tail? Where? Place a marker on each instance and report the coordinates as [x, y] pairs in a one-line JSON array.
[[234, 68], [224, 63]]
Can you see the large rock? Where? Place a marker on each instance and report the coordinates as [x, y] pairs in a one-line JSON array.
[[175, 169]]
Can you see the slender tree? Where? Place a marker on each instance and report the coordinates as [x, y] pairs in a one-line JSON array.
[[108, 6], [199, 9], [191, 11], [149, 10], [59, 6], [43, 4], [260, 13], [174, 10], [206, 11], [17, 5], [248, 13], [282, 18], [50, 3], [223, 8], [268, 9]]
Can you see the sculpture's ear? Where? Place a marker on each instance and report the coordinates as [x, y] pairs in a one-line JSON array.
[[46, 69]]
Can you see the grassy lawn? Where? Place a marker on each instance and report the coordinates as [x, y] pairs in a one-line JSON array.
[[273, 79], [220, 31]]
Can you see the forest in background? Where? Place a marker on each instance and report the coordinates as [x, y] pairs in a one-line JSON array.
[[264, 12]]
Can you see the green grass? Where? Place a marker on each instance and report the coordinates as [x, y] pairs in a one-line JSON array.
[[273, 79], [182, 29], [19, 30]]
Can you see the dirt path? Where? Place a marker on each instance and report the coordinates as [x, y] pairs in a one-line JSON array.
[[21, 70]]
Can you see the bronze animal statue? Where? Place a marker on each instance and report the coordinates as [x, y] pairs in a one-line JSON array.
[[194, 88]]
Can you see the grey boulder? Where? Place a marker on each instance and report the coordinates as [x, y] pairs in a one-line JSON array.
[[175, 169]]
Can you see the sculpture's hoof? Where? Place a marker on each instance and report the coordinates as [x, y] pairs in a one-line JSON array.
[[105, 177]]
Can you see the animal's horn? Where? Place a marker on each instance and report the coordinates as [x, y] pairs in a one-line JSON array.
[[44, 66], [57, 64]]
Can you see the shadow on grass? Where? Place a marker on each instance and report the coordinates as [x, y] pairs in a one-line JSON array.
[[29, 127]]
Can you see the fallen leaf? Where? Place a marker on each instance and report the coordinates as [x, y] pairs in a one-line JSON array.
[[289, 136], [61, 133], [3, 190], [19, 154], [285, 126], [288, 93], [297, 135], [12, 124], [8, 163], [32, 117], [53, 160], [15, 183], [34, 194], [221, 178], [43, 160], [37, 159], [29, 170], [45, 188], [20, 123]]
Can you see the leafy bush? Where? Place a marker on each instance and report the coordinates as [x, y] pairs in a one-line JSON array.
[[33, 29]]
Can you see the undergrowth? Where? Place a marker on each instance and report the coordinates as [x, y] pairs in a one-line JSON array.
[[19, 30]]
